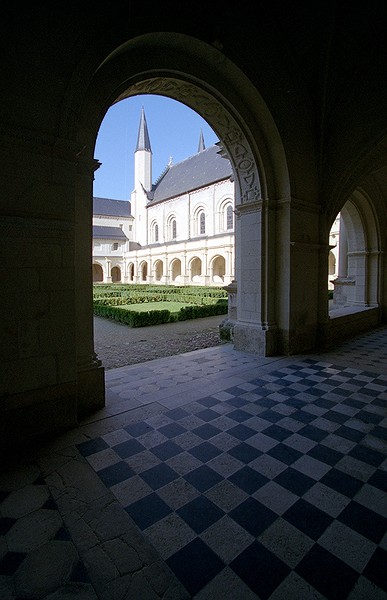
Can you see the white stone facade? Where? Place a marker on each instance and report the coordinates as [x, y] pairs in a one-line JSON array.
[[185, 239]]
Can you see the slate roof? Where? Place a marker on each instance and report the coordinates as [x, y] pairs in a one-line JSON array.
[[111, 208], [200, 170], [109, 233]]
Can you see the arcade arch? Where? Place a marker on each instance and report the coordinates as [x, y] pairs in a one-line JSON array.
[[97, 273], [130, 271], [357, 282], [117, 78], [195, 269], [218, 269], [116, 274], [144, 270], [158, 270], [175, 270], [277, 230]]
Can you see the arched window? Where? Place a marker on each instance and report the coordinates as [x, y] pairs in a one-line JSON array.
[[171, 227], [229, 217], [154, 232], [202, 223]]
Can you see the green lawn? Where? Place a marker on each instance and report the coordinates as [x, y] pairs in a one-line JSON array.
[[173, 307]]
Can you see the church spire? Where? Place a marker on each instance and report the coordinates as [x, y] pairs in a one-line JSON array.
[[143, 141], [143, 158], [202, 145]]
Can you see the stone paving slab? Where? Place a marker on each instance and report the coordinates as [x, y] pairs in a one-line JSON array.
[[64, 528]]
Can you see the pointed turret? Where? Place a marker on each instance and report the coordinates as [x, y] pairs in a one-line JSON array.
[[143, 141], [142, 181], [143, 156], [202, 145]]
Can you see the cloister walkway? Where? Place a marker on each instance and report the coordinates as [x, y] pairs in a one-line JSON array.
[[211, 474]]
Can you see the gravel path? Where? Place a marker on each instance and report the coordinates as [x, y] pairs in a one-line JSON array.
[[118, 345]]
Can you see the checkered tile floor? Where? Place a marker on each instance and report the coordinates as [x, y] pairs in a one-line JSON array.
[[275, 488]]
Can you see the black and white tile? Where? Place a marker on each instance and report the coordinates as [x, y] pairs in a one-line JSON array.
[[271, 488]]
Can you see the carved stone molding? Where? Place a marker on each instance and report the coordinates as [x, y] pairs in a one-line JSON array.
[[236, 147], [297, 204], [250, 207]]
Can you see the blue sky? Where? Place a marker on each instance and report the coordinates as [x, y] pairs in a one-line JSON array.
[[174, 131]]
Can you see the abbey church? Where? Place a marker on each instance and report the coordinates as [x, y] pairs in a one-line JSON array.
[[178, 230]]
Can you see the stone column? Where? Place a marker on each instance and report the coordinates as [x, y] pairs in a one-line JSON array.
[[38, 372], [108, 270], [206, 274], [344, 284], [165, 270], [229, 266], [90, 373], [255, 329], [151, 275], [343, 250], [186, 275]]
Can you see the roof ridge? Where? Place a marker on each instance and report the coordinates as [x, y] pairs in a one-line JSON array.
[[163, 173]]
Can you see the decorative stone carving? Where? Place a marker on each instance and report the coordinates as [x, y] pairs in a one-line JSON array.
[[236, 147]]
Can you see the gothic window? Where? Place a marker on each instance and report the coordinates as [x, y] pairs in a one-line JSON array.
[[156, 233], [229, 217], [174, 229]]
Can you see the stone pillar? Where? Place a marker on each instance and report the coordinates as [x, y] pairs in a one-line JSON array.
[[108, 270], [90, 373], [186, 275], [166, 274], [226, 327], [323, 330], [206, 275], [255, 329], [297, 274], [37, 326], [211, 273], [343, 251], [344, 284], [125, 278]]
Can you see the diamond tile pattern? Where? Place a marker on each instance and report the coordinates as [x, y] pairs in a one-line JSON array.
[[275, 479]]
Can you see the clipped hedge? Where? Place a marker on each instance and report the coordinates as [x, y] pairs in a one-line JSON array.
[[131, 317], [158, 317], [198, 312], [157, 293], [141, 298]]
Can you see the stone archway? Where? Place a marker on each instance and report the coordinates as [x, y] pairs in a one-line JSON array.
[[218, 268], [97, 273], [116, 274], [357, 283], [195, 269], [158, 270], [130, 272], [198, 75], [175, 270], [144, 271]]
